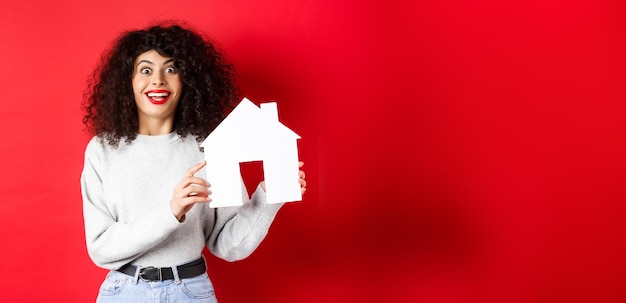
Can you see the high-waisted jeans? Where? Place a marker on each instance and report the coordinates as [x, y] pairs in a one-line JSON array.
[[119, 288]]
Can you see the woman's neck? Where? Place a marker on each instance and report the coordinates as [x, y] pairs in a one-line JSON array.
[[155, 127]]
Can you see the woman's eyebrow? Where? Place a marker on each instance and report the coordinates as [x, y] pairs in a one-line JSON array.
[[145, 61], [150, 62]]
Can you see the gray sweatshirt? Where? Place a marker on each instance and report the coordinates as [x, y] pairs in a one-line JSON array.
[[126, 206]]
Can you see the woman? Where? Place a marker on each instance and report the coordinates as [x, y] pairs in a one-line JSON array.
[[158, 93]]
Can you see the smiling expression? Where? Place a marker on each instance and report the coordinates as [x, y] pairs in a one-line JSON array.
[[156, 86]]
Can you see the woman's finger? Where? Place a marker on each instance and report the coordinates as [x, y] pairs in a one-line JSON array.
[[187, 181], [194, 169]]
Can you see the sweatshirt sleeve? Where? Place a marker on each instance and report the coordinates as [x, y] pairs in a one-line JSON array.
[[111, 243], [238, 231]]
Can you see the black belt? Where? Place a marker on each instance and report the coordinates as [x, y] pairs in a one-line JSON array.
[[151, 274]]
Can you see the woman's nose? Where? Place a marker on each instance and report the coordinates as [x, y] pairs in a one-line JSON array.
[[157, 80]]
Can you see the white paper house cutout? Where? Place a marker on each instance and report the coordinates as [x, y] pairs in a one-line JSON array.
[[250, 133]]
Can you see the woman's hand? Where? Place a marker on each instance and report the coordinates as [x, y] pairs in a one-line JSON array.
[[189, 191], [300, 180]]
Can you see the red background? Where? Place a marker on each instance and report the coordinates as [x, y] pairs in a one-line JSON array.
[[456, 151]]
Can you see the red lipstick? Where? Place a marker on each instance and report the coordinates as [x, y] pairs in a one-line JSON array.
[[158, 96]]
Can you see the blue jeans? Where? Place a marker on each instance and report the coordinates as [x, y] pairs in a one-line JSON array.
[[119, 287]]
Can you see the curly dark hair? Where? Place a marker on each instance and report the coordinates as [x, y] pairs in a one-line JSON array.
[[208, 84]]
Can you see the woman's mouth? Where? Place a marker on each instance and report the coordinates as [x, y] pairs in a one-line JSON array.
[[158, 96]]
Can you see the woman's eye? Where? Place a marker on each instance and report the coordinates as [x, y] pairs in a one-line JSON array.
[[145, 70], [170, 70]]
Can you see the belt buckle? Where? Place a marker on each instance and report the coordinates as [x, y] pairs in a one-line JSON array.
[[147, 271]]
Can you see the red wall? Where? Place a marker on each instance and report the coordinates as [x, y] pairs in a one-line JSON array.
[[456, 151]]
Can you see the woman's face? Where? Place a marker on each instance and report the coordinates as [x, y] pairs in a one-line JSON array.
[[157, 87]]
